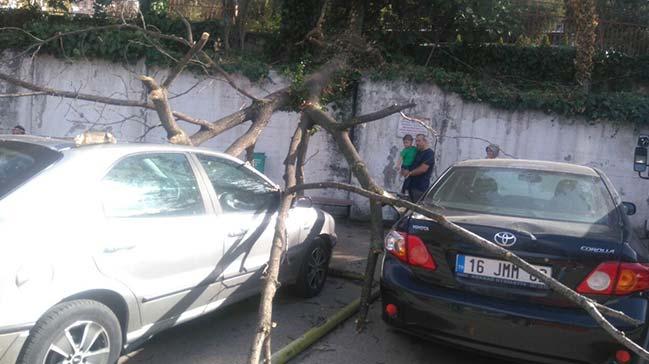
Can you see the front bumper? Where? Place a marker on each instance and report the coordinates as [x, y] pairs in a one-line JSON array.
[[11, 343], [512, 329]]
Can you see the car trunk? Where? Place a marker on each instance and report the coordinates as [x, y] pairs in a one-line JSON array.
[[570, 250]]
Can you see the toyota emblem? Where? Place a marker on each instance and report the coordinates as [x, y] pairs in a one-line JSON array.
[[505, 238]]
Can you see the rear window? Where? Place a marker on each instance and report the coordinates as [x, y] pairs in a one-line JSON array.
[[526, 193], [21, 161]]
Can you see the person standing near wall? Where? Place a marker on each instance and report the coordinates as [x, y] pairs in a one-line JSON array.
[[18, 130], [407, 155], [492, 151], [418, 178]]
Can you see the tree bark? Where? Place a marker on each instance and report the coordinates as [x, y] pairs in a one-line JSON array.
[[359, 170], [264, 326], [585, 22], [302, 152], [158, 96]]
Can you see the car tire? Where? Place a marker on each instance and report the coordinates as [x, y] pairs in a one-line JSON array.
[[80, 329], [313, 269]]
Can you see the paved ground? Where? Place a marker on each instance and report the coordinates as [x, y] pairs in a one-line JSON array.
[[224, 337]]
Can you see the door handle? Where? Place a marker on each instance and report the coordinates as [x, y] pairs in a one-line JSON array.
[[114, 249], [234, 234]]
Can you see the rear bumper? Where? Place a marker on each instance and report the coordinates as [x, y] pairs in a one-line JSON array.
[[10, 345], [505, 328]]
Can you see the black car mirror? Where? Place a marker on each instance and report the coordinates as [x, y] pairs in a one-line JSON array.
[[629, 208], [391, 215], [640, 159], [303, 201]]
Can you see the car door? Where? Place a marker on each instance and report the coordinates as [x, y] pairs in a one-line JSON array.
[[248, 208], [158, 238]]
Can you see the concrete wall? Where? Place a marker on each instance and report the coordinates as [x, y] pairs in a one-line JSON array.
[[526, 134], [209, 99], [532, 135]]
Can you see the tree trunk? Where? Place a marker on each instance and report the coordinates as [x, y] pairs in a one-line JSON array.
[[359, 170], [264, 327], [242, 19], [228, 19], [302, 153], [585, 21]]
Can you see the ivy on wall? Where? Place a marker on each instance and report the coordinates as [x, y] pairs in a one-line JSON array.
[[505, 76]]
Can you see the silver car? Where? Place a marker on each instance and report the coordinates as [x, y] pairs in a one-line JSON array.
[[103, 246]]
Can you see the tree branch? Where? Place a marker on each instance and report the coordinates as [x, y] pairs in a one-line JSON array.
[[183, 61], [264, 325], [190, 34], [158, 96], [393, 109], [23, 94], [250, 137], [47, 91], [596, 310]]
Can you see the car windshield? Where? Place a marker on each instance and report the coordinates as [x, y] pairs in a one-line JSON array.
[[21, 161], [526, 193]]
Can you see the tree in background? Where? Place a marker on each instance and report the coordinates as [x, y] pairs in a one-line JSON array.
[[584, 14]]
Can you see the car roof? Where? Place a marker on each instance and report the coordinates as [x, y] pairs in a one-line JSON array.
[[530, 164], [61, 144], [57, 144]]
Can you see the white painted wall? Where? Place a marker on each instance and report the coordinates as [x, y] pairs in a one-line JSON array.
[[532, 135], [208, 99], [526, 134]]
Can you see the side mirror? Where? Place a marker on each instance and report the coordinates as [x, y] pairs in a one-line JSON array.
[[303, 201], [629, 208], [640, 159], [391, 215]]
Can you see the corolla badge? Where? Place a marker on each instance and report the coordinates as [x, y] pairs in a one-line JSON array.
[[505, 238]]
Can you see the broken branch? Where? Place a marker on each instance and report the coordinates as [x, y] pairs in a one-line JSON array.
[[158, 96], [393, 109], [183, 61]]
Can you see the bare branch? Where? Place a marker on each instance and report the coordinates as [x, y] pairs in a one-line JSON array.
[[264, 324], [159, 97], [21, 31], [23, 94], [420, 122], [248, 139], [183, 62], [190, 34], [227, 77], [69, 94], [393, 109], [47, 91]]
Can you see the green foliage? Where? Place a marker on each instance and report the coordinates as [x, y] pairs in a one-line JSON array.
[[124, 45], [563, 100]]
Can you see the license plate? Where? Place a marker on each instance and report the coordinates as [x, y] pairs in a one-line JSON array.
[[494, 270]]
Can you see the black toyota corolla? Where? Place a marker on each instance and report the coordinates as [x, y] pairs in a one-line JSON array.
[[567, 220]]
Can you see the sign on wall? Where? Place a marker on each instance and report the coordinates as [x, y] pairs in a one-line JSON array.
[[410, 127]]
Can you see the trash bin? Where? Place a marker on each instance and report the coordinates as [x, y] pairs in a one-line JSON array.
[[259, 161]]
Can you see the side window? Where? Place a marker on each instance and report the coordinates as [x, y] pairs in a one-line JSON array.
[[237, 188], [152, 185]]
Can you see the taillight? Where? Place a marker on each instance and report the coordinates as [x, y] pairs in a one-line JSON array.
[[409, 249], [613, 278]]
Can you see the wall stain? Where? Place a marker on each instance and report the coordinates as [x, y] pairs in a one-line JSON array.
[[389, 171]]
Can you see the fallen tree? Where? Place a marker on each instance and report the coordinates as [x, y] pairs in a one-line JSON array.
[[343, 51]]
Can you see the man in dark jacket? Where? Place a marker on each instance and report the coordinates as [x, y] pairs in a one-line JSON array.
[[421, 170]]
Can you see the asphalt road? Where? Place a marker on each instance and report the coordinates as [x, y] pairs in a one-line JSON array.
[[225, 336]]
